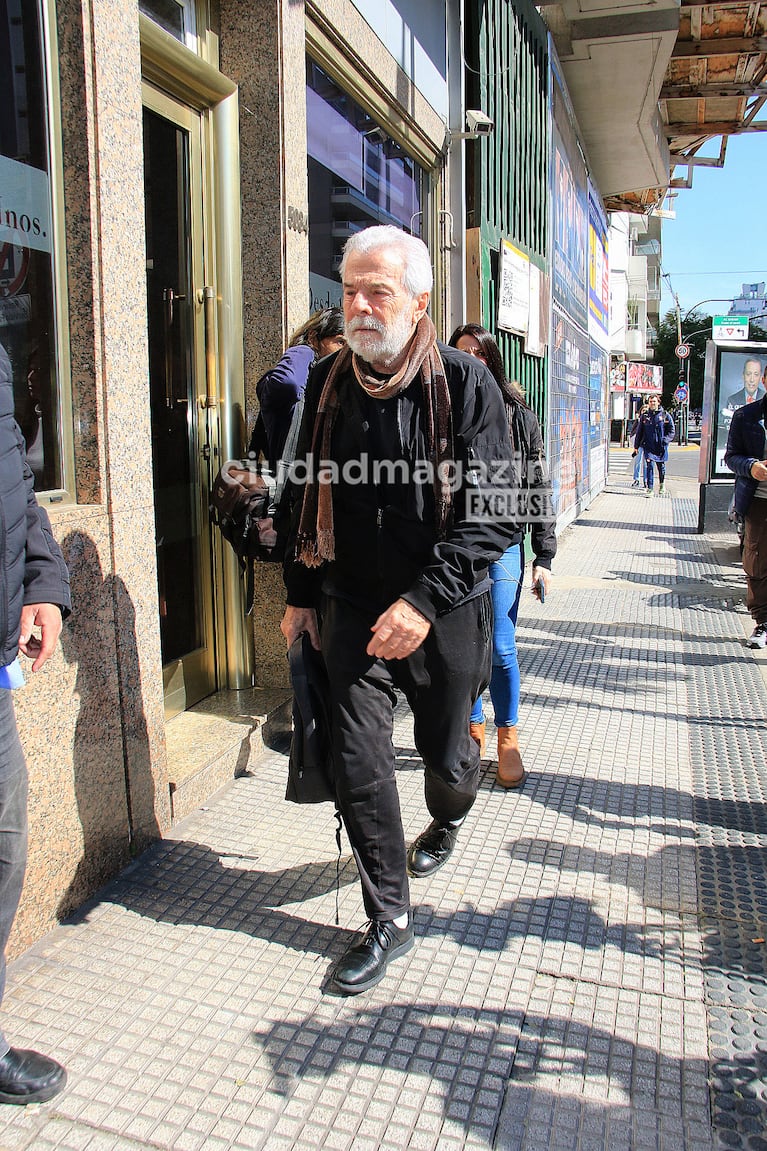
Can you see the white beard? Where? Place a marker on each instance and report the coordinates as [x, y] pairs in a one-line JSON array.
[[377, 343]]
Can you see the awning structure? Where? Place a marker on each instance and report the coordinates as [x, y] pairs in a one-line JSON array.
[[651, 83], [716, 80]]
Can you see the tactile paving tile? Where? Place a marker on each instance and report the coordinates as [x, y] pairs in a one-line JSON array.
[[728, 751]]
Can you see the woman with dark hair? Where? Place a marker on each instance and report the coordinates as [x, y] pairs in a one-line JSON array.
[[506, 574], [280, 389]]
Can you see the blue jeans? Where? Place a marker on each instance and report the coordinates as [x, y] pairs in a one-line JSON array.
[[13, 829], [639, 460], [661, 472], [506, 574]]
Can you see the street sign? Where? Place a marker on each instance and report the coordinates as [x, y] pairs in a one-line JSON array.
[[680, 395], [682, 351], [725, 329]]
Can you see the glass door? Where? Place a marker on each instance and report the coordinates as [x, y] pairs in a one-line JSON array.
[[182, 433]]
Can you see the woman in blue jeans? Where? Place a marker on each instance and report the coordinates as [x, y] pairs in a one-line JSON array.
[[507, 573]]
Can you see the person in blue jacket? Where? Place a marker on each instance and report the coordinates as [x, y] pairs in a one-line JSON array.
[[654, 433], [746, 455], [280, 389], [34, 593]]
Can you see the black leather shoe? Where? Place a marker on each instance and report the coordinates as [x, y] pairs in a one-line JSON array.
[[432, 849], [27, 1077], [365, 963]]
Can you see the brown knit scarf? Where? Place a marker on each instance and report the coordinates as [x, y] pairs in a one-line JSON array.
[[316, 535]]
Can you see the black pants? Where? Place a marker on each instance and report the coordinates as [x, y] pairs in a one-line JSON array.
[[440, 680], [755, 560]]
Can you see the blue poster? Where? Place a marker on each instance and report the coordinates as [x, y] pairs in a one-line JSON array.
[[570, 413], [570, 210]]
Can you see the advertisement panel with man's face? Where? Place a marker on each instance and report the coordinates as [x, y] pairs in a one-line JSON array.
[[740, 380]]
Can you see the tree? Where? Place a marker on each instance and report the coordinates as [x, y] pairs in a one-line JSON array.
[[696, 330]]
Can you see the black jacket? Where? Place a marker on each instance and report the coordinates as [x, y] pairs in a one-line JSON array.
[[386, 543], [527, 441], [746, 444], [654, 433], [32, 568]]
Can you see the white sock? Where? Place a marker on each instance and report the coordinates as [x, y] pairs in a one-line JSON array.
[[401, 921]]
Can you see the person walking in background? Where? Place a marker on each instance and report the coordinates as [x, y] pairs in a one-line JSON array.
[[638, 453], [507, 573], [34, 593], [387, 547], [654, 434], [746, 456], [280, 389]]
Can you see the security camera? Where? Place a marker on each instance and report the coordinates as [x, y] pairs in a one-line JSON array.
[[478, 123]]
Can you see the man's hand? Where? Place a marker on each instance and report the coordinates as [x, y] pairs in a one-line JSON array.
[[46, 616], [398, 632], [759, 470], [297, 620], [545, 575]]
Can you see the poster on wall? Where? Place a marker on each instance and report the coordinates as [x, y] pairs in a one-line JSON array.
[[538, 320], [570, 420], [599, 426], [599, 273], [513, 290], [644, 379], [570, 208]]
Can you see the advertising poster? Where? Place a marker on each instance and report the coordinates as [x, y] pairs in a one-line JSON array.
[[570, 419], [570, 210], [644, 379], [599, 273], [741, 379], [599, 424]]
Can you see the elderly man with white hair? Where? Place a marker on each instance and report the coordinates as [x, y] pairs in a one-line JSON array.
[[387, 570]]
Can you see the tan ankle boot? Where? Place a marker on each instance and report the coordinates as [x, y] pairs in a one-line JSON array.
[[510, 771], [477, 733]]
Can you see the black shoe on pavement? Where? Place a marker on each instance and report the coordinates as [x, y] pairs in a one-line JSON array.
[[432, 849], [364, 964], [27, 1077]]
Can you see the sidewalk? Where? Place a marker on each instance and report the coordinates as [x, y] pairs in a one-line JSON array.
[[590, 967]]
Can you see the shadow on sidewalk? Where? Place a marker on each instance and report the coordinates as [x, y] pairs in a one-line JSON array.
[[483, 1060], [179, 882]]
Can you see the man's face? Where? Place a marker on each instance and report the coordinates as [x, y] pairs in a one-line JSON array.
[[380, 314], [653, 403], [752, 376]]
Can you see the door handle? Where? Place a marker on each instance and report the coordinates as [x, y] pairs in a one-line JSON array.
[[168, 298], [211, 375]]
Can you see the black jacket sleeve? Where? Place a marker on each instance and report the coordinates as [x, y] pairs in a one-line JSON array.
[[479, 531], [46, 576], [536, 480]]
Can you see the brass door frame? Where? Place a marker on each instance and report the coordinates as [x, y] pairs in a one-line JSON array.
[[192, 676], [172, 68]]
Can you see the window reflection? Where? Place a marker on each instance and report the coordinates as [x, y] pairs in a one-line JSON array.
[[358, 176], [26, 249], [169, 14]]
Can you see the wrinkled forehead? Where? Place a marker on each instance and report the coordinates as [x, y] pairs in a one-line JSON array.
[[377, 264]]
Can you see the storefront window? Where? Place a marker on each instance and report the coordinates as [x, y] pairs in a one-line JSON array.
[[27, 317], [358, 176]]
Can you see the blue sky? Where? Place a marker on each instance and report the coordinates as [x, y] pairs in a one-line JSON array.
[[719, 237]]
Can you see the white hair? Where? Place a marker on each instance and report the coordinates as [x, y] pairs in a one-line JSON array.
[[417, 276]]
